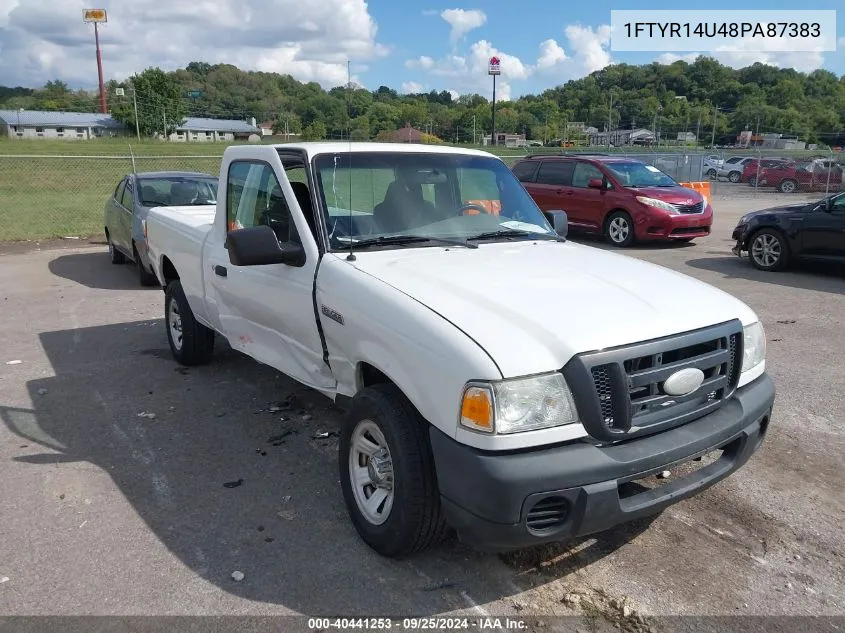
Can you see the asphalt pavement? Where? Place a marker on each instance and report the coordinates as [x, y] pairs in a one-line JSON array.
[[114, 465]]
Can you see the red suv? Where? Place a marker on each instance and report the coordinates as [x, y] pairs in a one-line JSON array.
[[815, 175], [621, 198], [754, 168]]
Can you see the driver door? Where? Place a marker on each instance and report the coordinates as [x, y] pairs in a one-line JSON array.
[[823, 231], [267, 311]]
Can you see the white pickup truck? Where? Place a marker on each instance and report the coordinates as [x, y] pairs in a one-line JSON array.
[[498, 379]]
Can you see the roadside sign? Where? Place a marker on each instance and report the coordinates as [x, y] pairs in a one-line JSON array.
[[94, 15], [195, 94], [119, 92], [493, 67]]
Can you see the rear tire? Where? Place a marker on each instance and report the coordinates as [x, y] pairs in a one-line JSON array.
[[768, 250], [619, 229], [385, 455], [116, 256], [711, 173], [191, 343]]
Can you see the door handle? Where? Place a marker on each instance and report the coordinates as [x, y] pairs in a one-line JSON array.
[[220, 271]]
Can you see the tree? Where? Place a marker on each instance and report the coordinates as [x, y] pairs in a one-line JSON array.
[[162, 106], [314, 131]]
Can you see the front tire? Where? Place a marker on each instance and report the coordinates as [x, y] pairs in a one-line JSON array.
[[145, 278], [734, 176], [711, 173], [191, 343], [619, 229], [768, 250], [387, 474], [788, 186], [115, 255]]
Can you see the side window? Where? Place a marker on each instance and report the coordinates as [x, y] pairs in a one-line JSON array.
[[118, 191], [254, 197], [583, 173], [555, 172], [839, 205], [525, 170], [127, 199]]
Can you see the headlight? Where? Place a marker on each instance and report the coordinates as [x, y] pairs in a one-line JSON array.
[[514, 406], [657, 204], [753, 346]]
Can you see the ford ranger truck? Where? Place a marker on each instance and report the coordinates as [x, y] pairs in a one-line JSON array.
[[498, 379]]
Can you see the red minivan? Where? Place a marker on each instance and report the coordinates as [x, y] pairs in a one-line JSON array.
[[623, 199]]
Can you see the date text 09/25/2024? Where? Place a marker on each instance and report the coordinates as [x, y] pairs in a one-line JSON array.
[[723, 29], [484, 623]]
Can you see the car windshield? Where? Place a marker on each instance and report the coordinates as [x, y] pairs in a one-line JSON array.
[[633, 174], [378, 198], [177, 191]]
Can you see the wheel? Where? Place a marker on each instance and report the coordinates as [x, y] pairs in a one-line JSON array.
[[752, 181], [788, 186], [619, 229], [191, 343], [145, 277], [768, 250], [387, 474], [711, 173], [116, 256], [734, 176]]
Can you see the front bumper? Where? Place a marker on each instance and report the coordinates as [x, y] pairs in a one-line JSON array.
[[490, 498], [658, 225]]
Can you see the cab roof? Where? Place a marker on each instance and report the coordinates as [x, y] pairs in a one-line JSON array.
[[343, 147]]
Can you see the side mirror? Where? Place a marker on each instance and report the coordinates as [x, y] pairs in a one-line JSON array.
[[259, 246], [558, 220], [595, 183]]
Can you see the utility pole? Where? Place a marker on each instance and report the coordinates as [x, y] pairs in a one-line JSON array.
[[609, 117], [757, 131], [135, 104], [474, 142], [713, 137], [164, 116], [698, 129]]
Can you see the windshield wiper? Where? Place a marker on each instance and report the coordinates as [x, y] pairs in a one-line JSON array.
[[511, 233], [390, 240]]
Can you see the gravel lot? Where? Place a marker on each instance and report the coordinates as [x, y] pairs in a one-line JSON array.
[[107, 511]]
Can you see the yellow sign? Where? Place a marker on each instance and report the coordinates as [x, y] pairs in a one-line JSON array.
[[94, 15]]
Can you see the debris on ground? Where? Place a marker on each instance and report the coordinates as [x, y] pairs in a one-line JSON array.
[[261, 451], [4, 579], [440, 585], [571, 598], [182, 370], [322, 435], [286, 499], [147, 414], [269, 539], [664, 474], [237, 576], [14, 362], [787, 321], [62, 496], [42, 392], [260, 528], [307, 417], [233, 484], [287, 515]]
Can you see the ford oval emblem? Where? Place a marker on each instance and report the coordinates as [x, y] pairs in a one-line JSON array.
[[683, 382]]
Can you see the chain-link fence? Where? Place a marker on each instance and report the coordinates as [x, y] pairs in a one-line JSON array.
[[53, 196]]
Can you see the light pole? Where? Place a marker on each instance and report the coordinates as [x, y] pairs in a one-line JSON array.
[[609, 117], [18, 131], [97, 16], [120, 92]]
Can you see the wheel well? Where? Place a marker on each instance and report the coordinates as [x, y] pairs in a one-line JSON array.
[[369, 376], [168, 271]]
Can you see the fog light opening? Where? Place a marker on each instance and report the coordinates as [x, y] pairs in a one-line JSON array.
[[764, 427]]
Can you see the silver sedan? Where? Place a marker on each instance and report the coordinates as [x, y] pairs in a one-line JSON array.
[[134, 196]]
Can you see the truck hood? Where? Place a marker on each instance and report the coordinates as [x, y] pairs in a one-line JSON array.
[[533, 305]]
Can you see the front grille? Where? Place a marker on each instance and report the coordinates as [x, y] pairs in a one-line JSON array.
[[698, 207], [619, 392], [687, 230], [547, 513]]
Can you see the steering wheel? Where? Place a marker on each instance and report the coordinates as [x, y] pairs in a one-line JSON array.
[[466, 207]]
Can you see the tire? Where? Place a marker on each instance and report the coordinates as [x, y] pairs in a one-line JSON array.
[[116, 256], [711, 173], [619, 229], [145, 278], [765, 243], [734, 176], [752, 181], [191, 343], [788, 186], [409, 519]]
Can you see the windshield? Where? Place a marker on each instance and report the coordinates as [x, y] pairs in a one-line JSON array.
[[428, 195], [175, 191], [632, 174]]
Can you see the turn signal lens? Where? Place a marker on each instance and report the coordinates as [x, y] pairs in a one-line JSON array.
[[477, 409]]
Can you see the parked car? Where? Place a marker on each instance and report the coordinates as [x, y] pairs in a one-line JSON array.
[[753, 168], [710, 165], [623, 199], [732, 168], [498, 378], [134, 196], [774, 237], [814, 175]]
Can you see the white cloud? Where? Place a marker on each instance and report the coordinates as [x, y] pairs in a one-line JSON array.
[[671, 58], [45, 40], [774, 53], [454, 94], [462, 22], [424, 61], [412, 87], [591, 48], [551, 54]]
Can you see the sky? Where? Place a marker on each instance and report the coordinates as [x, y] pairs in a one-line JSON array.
[[410, 45]]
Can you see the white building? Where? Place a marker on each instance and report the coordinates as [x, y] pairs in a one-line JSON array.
[[210, 130], [68, 126]]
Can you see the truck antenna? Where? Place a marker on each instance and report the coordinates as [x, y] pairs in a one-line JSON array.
[[351, 256]]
